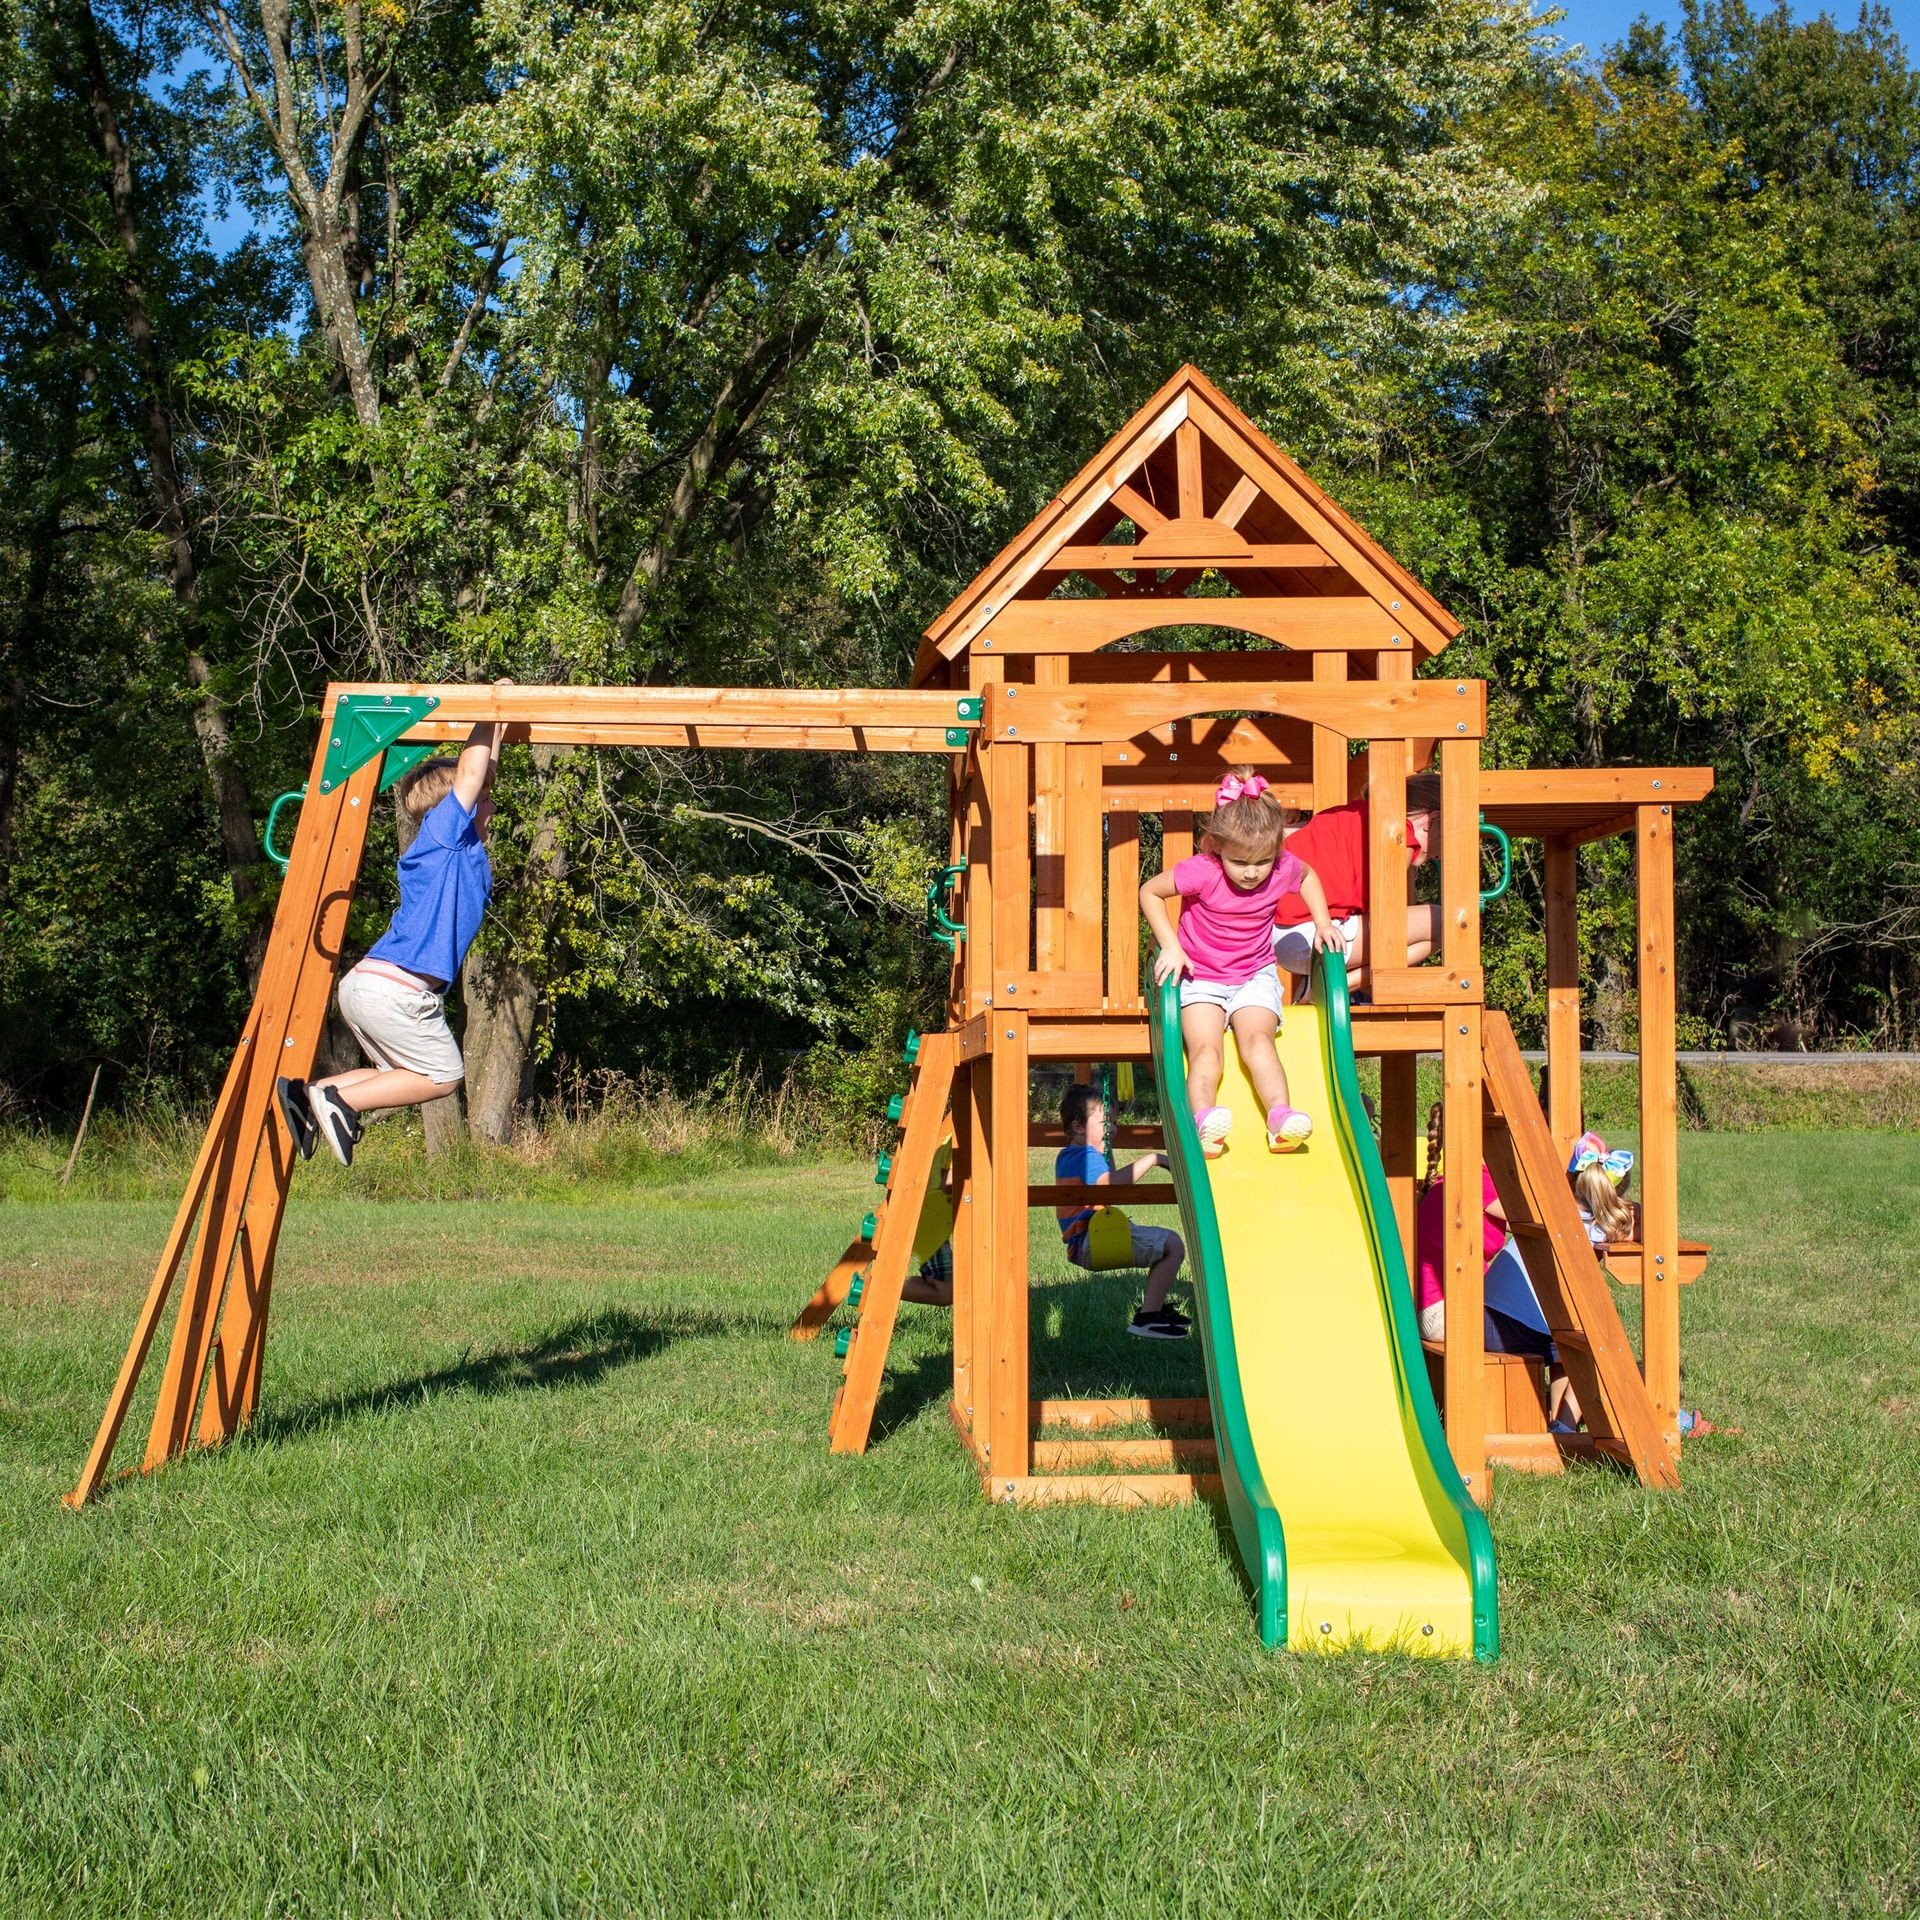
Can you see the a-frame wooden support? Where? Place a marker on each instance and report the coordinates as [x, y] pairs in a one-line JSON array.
[[923, 1118], [237, 1193], [1567, 1275]]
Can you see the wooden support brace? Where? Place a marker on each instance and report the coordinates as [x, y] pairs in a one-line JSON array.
[[907, 1185]]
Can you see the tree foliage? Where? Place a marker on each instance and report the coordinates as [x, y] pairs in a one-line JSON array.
[[653, 343]]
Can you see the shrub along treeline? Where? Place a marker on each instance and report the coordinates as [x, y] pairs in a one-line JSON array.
[[655, 343]]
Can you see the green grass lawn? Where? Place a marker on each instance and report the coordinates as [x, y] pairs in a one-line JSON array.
[[534, 1590]]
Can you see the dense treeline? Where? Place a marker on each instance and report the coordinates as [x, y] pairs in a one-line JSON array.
[[654, 343]]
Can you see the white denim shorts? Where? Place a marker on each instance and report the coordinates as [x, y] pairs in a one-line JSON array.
[[1262, 991], [1293, 946], [399, 1025]]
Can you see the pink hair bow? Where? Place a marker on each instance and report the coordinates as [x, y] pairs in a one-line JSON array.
[[1233, 788]]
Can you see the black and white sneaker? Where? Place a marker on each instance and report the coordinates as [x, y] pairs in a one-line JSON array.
[[337, 1122], [1164, 1323], [294, 1110]]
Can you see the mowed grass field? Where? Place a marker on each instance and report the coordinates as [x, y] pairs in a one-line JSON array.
[[534, 1591]]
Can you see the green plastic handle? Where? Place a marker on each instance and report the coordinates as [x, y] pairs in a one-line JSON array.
[[267, 847], [1498, 836], [947, 931]]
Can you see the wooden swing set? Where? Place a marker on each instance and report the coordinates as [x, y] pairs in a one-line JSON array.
[[1086, 692]]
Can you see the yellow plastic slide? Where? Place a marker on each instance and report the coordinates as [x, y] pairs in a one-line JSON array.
[[1352, 1521]]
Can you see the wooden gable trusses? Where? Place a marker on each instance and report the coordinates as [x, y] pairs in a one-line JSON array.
[[1189, 494]]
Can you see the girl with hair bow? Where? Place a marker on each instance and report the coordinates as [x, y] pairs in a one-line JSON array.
[[1598, 1175], [1223, 953]]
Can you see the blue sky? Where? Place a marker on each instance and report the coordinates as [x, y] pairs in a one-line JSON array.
[[1597, 23]]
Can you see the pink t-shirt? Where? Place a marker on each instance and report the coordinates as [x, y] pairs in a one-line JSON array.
[[1227, 934], [1430, 1235]]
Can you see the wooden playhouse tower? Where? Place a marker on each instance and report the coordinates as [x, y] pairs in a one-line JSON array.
[[1188, 601]]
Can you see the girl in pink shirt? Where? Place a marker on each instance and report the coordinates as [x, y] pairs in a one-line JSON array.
[[1224, 951]]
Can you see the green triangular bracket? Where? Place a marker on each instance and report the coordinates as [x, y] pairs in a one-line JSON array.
[[403, 760], [365, 724]]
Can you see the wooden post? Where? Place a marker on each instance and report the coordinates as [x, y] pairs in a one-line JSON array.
[[1049, 832], [1009, 767], [1659, 1116], [1123, 912], [1176, 842], [1563, 993], [1460, 859], [963, 1247], [1009, 1433], [1387, 850], [1463, 1258], [1461, 1072], [1400, 1129], [1329, 743], [1081, 858]]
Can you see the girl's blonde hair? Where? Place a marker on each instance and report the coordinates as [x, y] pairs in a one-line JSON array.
[[1605, 1205], [1250, 823]]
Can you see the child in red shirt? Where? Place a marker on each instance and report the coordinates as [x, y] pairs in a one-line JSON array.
[[1334, 844]]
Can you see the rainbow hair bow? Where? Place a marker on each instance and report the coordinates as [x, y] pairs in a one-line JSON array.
[[1591, 1151], [1233, 788]]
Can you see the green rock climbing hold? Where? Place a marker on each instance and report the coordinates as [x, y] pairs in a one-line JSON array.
[[841, 1342]]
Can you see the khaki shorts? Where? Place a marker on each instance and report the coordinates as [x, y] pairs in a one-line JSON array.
[[400, 1026]]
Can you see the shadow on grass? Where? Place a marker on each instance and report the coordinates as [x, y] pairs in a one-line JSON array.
[[574, 1355]]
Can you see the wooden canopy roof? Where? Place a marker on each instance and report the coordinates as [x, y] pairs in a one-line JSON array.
[[1189, 493]]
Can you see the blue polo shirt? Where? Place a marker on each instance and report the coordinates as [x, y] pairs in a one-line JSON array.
[[446, 881], [1078, 1161]]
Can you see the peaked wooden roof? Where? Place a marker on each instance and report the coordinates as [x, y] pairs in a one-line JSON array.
[[1189, 487]]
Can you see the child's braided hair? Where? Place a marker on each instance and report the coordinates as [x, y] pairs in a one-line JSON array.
[[1434, 1139]]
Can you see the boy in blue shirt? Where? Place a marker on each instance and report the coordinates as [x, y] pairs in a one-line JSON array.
[[394, 999], [1084, 1158]]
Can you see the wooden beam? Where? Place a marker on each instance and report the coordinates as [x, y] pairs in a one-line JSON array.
[[1084, 559], [1342, 622], [1139, 509], [1119, 1194], [1593, 786], [1138, 669], [566, 712], [1390, 711], [1095, 1416]]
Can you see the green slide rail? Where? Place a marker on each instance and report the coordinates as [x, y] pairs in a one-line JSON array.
[[1258, 1527]]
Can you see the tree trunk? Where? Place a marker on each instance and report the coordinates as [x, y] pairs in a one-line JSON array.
[[502, 1002], [238, 841]]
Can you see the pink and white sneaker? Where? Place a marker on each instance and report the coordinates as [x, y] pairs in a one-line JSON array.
[[1287, 1128], [1213, 1125]]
